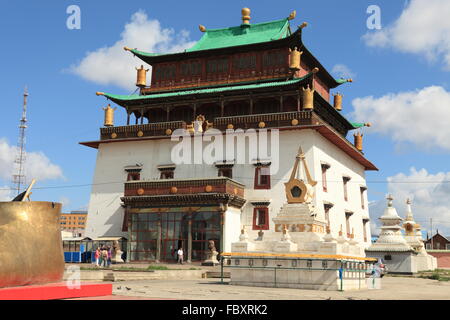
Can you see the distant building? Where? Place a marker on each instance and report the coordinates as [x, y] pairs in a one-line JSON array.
[[74, 222], [438, 242]]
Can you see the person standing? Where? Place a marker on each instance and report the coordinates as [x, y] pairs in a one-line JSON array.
[[180, 255], [109, 255], [104, 257], [97, 257]]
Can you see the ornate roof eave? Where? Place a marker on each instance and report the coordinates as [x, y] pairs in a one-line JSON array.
[[152, 58], [348, 125], [130, 100]]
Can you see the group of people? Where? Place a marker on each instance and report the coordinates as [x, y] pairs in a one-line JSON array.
[[103, 256]]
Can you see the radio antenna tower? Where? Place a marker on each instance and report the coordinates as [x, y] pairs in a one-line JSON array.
[[19, 175]]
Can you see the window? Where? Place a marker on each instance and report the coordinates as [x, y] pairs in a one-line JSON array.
[[362, 189], [133, 176], [166, 72], [327, 207], [191, 69], [345, 182], [273, 59], [325, 167], [262, 177], [166, 174], [348, 214], [226, 172], [447, 246], [428, 246], [261, 218], [244, 62], [388, 257], [365, 229], [167, 171], [217, 66]]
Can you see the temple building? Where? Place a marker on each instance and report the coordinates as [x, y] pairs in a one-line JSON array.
[[253, 79]]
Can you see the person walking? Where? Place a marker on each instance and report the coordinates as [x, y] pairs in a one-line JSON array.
[[180, 255]]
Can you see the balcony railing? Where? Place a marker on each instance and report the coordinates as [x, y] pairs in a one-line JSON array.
[[270, 120], [184, 187], [141, 130]]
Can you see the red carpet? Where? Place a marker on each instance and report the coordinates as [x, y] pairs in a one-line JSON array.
[[53, 291]]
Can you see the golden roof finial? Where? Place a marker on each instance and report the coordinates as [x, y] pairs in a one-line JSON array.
[[303, 25], [202, 28], [292, 15], [127, 49], [98, 93], [245, 15], [315, 70]]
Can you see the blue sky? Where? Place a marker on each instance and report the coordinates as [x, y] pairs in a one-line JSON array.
[[38, 50]]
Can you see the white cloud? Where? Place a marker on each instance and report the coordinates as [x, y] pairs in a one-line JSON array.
[[342, 71], [37, 165], [422, 28], [112, 65], [420, 117], [429, 194], [64, 201]]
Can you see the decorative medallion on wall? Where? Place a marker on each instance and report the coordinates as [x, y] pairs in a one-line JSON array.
[[168, 132], [173, 190], [140, 191], [113, 135], [294, 122], [230, 126], [261, 124], [140, 133], [208, 188]]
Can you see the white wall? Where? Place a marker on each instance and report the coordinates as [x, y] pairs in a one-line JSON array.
[[106, 216]]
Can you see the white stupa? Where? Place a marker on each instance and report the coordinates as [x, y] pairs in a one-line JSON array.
[[401, 254], [413, 235], [391, 238]]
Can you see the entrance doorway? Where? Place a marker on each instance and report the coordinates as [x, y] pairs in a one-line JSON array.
[[170, 231]]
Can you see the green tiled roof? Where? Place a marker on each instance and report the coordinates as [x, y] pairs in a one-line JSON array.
[[242, 35], [125, 98], [357, 125], [236, 36]]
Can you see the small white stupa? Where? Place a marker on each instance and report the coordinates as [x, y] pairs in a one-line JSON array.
[[401, 254], [413, 236]]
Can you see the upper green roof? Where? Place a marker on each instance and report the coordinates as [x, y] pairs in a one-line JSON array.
[[243, 35], [236, 36]]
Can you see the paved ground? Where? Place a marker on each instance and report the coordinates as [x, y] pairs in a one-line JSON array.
[[393, 288]]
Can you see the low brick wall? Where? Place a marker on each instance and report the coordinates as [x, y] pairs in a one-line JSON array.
[[442, 256]]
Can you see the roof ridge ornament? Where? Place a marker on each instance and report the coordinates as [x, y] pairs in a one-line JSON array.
[[303, 25], [202, 28], [292, 15], [245, 16]]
